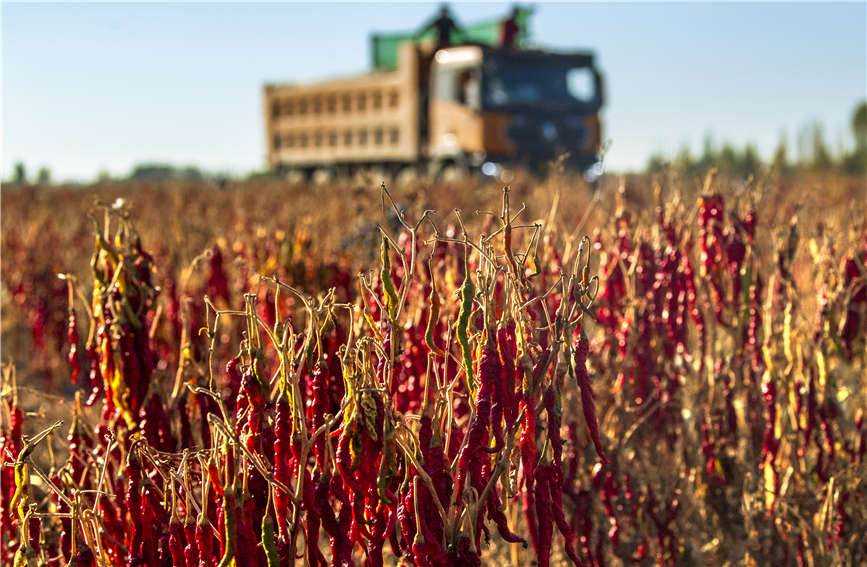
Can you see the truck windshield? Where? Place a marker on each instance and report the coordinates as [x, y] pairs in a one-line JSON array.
[[511, 84]]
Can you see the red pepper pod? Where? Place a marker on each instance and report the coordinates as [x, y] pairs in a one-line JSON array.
[[511, 397], [191, 551], [73, 338], [582, 348], [544, 516], [528, 464], [177, 541]]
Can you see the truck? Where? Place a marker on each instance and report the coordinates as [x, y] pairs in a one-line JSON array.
[[425, 108]]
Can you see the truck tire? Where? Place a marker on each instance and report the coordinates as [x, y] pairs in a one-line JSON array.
[[454, 173], [406, 176], [323, 176], [295, 176]]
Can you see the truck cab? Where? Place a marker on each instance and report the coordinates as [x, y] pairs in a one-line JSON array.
[[490, 106]]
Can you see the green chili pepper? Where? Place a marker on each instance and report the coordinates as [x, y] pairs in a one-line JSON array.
[[228, 559], [387, 285], [269, 542], [388, 464], [468, 291], [433, 318]]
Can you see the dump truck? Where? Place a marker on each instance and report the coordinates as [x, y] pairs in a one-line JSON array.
[[471, 107]]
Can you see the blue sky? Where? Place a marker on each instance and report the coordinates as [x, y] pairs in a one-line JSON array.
[[100, 87]]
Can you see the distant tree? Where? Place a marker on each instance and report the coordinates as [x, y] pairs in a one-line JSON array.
[[708, 154], [656, 163], [780, 160], [821, 156], [684, 161], [191, 172], [749, 162], [859, 126], [856, 162], [151, 172], [19, 173], [43, 176], [164, 171], [727, 160]]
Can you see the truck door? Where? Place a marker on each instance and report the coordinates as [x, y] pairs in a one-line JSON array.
[[455, 125]]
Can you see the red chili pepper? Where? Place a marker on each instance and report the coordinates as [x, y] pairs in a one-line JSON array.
[[528, 463], [135, 535], [154, 521], [233, 383], [544, 514], [499, 518], [73, 338], [114, 526], [155, 424], [551, 402], [177, 541], [191, 550], [205, 543], [554, 485], [250, 519], [317, 407], [506, 338], [314, 555], [582, 347], [328, 521], [95, 376], [282, 458], [131, 368], [343, 555], [475, 448]]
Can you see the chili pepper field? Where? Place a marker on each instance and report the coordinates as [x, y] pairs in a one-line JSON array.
[[658, 371]]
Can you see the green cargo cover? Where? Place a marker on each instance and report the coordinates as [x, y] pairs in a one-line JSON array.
[[383, 47]]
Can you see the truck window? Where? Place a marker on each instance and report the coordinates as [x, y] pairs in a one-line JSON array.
[[581, 83], [445, 85], [523, 83], [459, 85], [469, 91]]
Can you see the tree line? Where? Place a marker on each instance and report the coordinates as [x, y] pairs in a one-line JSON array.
[[811, 153]]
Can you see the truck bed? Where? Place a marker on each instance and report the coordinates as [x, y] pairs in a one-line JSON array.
[[371, 118]]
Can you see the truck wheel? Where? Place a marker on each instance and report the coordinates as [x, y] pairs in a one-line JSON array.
[[454, 173], [406, 176], [295, 177], [323, 176]]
